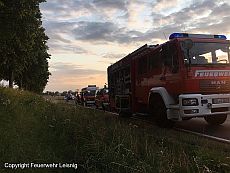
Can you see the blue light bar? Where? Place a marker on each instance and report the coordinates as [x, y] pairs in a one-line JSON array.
[[185, 35], [177, 35], [220, 37]]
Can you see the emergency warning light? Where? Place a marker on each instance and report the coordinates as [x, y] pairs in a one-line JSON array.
[[186, 35]]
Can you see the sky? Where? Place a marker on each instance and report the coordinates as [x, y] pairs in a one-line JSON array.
[[86, 36]]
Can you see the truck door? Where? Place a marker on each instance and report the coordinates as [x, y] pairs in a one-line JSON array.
[[170, 70]]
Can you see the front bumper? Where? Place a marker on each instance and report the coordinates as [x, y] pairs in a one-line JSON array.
[[105, 103], [90, 102], [206, 106]]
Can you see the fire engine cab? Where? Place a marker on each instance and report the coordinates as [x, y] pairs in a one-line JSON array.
[[88, 95], [185, 77]]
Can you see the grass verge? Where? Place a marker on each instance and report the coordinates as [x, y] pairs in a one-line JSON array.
[[33, 130]]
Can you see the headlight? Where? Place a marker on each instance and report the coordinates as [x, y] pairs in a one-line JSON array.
[[190, 102]]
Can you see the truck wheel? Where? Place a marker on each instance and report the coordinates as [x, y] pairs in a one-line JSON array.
[[216, 120], [158, 112]]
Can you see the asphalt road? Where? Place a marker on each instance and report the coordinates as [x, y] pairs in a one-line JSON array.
[[201, 126]]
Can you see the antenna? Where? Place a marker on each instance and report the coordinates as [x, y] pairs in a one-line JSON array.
[[165, 36]]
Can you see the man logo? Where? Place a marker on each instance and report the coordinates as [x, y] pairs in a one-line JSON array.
[[218, 82]]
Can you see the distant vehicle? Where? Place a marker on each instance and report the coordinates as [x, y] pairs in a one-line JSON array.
[[102, 98], [69, 96], [185, 77], [77, 98], [88, 95]]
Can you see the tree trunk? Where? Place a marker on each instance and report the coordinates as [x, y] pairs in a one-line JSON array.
[[11, 78], [20, 83]]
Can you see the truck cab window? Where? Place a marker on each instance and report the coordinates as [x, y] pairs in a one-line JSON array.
[[207, 53], [169, 55]]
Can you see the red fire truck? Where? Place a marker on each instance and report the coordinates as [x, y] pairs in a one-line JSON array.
[[102, 98], [185, 77], [88, 95]]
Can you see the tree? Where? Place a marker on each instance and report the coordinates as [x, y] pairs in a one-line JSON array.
[[35, 76], [23, 47]]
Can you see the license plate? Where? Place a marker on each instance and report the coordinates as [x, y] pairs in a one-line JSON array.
[[220, 100]]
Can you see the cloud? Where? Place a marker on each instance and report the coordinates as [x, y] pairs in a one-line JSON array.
[[185, 15], [57, 31], [73, 69], [160, 5], [113, 56], [87, 30], [103, 32], [57, 48], [197, 15], [111, 4], [72, 9], [203, 17], [215, 28], [69, 76], [60, 38], [138, 16], [94, 30], [60, 26], [107, 31], [66, 9], [220, 11]]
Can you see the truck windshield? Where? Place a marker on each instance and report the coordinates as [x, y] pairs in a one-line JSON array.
[[106, 91], [90, 93], [206, 53]]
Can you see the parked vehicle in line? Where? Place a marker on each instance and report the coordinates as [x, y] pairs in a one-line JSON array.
[[69, 96], [88, 95], [102, 99], [185, 77], [77, 99]]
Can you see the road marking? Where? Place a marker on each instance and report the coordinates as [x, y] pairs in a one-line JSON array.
[[204, 135]]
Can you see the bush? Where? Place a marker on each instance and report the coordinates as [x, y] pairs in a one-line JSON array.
[[35, 130]]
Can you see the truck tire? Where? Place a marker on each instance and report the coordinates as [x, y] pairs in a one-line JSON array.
[[159, 112], [216, 120]]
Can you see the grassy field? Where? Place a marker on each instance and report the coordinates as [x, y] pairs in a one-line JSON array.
[[38, 131]]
